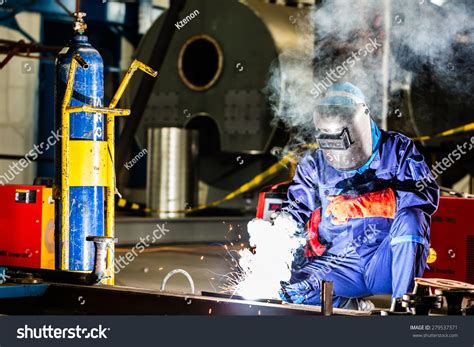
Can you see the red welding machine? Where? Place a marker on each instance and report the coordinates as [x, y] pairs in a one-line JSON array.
[[452, 240], [27, 226]]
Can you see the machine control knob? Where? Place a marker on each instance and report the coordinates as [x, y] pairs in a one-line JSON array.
[[451, 253]]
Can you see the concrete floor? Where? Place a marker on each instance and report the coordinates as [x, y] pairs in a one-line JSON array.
[[206, 264]]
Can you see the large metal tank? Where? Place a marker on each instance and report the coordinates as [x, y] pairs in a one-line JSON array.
[[435, 101], [437, 86], [212, 80]]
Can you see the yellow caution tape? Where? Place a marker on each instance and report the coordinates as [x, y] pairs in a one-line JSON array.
[[272, 170], [254, 182], [461, 129]]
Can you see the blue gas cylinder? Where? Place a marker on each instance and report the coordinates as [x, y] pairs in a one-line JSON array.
[[86, 199]]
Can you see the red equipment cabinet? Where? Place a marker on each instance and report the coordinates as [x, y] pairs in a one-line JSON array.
[[26, 226], [452, 240]]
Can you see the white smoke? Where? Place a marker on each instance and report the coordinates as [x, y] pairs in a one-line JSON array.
[[275, 245], [422, 35]]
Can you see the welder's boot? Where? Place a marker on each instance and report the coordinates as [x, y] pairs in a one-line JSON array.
[[358, 304], [365, 305]]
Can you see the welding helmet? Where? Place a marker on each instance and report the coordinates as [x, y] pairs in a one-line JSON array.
[[344, 129]]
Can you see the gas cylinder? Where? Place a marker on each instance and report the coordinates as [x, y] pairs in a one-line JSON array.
[[86, 193]]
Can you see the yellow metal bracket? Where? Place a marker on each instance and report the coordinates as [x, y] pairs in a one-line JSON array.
[[111, 181]]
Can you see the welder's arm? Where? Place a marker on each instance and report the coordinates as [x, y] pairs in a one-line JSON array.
[[416, 190], [303, 197], [410, 231]]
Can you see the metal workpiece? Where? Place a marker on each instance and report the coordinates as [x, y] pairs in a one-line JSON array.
[[172, 184], [103, 300]]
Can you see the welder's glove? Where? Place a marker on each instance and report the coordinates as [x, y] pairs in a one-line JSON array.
[[296, 293]]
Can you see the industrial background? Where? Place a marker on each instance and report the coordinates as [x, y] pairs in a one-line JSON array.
[[177, 125]]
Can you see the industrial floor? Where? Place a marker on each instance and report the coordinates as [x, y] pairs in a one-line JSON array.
[[207, 265]]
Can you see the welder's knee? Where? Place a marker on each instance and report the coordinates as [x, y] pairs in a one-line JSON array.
[[409, 222]]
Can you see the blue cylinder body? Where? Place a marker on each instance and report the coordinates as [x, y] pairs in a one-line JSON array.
[[86, 203]]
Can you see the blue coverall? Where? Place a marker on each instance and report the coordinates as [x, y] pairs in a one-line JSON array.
[[367, 254]]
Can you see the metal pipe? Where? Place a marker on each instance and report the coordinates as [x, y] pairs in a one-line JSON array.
[[12, 52], [327, 298], [101, 243], [386, 61], [171, 185], [145, 15], [97, 275]]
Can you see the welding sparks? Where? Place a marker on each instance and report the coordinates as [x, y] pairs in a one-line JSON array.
[[263, 270]]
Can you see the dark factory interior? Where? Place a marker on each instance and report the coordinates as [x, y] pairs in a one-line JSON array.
[[236, 158]]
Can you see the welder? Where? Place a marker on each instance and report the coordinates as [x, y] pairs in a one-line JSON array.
[[367, 223]]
